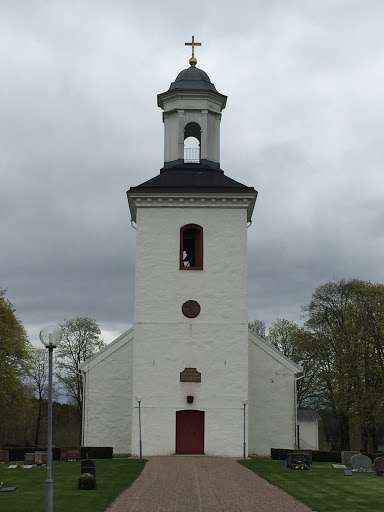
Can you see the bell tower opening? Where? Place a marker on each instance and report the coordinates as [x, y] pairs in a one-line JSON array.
[[191, 247], [192, 141]]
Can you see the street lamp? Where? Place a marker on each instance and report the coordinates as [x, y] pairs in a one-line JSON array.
[[138, 398], [244, 402], [50, 337]]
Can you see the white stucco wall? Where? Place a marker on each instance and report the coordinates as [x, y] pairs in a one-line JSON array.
[[271, 409], [309, 434], [216, 342], [108, 396]]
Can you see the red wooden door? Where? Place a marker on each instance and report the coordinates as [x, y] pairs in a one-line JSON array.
[[190, 432]]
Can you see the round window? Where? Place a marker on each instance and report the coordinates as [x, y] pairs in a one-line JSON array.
[[191, 309]]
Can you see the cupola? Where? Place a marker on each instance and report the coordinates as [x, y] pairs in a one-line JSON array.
[[192, 110]]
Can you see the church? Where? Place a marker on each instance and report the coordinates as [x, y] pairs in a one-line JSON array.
[[190, 377]]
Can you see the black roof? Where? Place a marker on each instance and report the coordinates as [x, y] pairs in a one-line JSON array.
[[307, 414], [192, 178], [192, 78]]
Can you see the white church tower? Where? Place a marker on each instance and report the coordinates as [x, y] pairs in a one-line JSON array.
[[190, 355], [189, 377]]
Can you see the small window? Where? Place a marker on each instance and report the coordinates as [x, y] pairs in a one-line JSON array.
[[191, 247]]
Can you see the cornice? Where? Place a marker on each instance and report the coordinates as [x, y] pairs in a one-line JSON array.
[[191, 200]]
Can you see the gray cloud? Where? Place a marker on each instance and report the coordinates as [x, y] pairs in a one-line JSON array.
[[79, 125]]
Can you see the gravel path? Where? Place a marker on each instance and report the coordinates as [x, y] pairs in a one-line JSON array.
[[202, 484]]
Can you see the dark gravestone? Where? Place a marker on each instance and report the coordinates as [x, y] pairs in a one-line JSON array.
[[298, 461], [346, 456], [29, 459], [347, 472], [4, 456], [68, 453], [379, 466], [361, 463], [88, 466], [308, 452]]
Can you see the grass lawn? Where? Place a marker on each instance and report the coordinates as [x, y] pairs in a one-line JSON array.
[[113, 477], [323, 488]]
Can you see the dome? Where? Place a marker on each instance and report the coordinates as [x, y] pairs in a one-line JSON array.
[[192, 78]]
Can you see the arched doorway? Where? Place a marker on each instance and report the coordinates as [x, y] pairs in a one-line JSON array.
[[190, 432]]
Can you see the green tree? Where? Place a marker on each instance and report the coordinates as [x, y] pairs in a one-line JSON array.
[[15, 353], [295, 343], [345, 319], [81, 339]]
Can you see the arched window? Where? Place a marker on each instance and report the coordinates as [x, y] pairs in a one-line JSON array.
[[191, 247], [192, 140]]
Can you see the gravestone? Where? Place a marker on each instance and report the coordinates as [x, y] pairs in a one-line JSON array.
[[8, 489], [88, 466], [346, 457], [69, 453], [308, 452], [339, 466], [361, 462], [379, 466], [41, 457], [347, 472], [29, 458], [4, 456], [298, 461]]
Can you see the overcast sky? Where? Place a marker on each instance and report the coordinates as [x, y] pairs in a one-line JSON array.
[[79, 125]]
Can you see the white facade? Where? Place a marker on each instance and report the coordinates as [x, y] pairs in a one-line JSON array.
[[272, 398], [107, 407], [215, 343]]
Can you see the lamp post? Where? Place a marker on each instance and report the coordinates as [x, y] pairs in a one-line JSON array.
[[138, 398], [50, 337], [244, 402]]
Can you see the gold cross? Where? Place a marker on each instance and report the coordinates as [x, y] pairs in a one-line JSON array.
[[193, 61]]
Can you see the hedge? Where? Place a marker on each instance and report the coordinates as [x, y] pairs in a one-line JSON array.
[[317, 456], [94, 452]]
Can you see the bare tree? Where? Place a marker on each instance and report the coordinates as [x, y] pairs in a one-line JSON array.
[[39, 378], [81, 339], [258, 327]]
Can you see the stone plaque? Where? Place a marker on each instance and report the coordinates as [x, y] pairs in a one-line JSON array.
[[361, 462], [379, 466], [69, 453], [298, 461], [88, 466], [346, 456], [347, 472], [4, 456], [190, 375], [8, 489], [29, 458], [339, 466]]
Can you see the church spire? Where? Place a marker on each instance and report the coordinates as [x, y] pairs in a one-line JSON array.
[[193, 60]]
